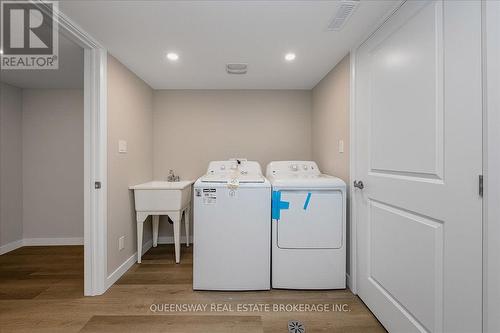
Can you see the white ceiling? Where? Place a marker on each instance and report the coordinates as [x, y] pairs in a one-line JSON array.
[[68, 76], [209, 34]]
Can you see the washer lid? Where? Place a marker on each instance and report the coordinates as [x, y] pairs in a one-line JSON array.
[[306, 181]]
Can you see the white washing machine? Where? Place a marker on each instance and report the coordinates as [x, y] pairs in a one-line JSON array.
[[308, 227], [232, 233]]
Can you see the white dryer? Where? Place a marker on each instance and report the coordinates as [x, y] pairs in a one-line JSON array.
[[308, 227], [232, 233]]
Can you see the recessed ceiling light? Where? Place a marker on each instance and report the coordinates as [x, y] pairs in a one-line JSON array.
[[290, 56], [172, 56]]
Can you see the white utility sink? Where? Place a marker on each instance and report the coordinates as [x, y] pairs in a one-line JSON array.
[[162, 198], [161, 195]]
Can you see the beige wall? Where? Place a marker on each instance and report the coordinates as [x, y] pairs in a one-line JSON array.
[[11, 228], [52, 163], [130, 118], [330, 123], [194, 127]]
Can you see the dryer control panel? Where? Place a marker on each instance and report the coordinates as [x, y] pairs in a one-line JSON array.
[[293, 168]]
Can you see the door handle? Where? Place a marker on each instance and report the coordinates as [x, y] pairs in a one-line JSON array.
[[359, 184]]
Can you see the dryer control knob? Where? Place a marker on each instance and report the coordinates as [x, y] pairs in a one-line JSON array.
[[294, 167]]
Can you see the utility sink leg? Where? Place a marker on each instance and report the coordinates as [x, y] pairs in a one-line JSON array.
[[156, 222], [177, 230], [186, 224]]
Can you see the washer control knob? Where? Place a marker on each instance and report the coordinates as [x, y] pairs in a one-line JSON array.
[[223, 167], [294, 167], [304, 167]]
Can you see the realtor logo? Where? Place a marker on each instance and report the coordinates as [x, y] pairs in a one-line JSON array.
[[29, 35]]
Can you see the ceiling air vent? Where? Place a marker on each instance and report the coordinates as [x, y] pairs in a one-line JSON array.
[[236, 68], [347, 7]]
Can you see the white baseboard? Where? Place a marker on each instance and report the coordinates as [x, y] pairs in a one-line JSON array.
[[113, 277], [52, 241], [123, 268], [40, 242], [170, 239], [348, 279], [146, 246], [11, 246]]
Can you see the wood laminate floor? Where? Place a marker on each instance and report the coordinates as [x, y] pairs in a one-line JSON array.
[[41, 289]]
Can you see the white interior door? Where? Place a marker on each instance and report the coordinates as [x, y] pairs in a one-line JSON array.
[[419, 152]]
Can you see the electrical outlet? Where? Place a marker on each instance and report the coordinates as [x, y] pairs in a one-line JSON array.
[[341, 146], [121, 243]]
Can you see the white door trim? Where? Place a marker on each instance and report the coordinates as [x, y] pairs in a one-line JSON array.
[[352, 276], [491, 165], [95, 229], [95, 151], [352, 281]]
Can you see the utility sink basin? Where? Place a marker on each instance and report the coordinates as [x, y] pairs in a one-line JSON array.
[[160, 196]]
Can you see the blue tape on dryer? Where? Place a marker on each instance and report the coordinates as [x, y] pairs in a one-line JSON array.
[[307, 200], [277, 205]]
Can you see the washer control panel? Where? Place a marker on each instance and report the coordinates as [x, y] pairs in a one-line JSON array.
[[241, 166]]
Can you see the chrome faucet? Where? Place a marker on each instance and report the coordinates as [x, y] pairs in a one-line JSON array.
[[172, 177]]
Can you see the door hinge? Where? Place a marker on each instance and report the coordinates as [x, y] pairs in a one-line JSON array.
[[481, 186], [97, 185]]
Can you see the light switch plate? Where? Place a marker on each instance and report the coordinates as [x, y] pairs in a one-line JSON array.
[[122, 146], [341, 146]]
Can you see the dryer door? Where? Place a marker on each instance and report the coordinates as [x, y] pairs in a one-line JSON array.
[[313, 220]]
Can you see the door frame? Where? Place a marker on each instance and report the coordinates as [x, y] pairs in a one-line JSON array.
[[491, 164], [95, 152]]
